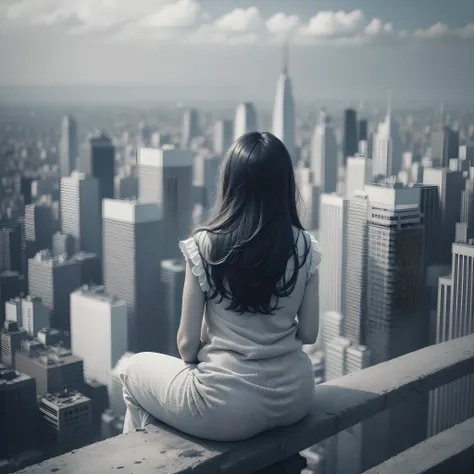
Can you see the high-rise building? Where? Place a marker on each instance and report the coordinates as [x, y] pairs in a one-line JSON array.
[[80, 211], [172, 279], [333, 220], [205, 178], [91, 267], [350, 134], [29, 313], [165, 176], [336, 357], [355, 278], [358, 174], [363, 130], [63, 244], [284, 111], [100, 163], [332, 325], [53, 367], [12, 249], [66, 420], [245, 119], [397, 319], [223, 136], [444, 145], [53, 279], [127, 187], [17, 412], [22, 186], [11, 337], [324, 155], [467, 207], [190, 127], [68, 146], [387, 148], [450, 185], [466, 153], [99, 331], [454, 402], [12, 284], [38, 228], [310, 196], [132, 252]]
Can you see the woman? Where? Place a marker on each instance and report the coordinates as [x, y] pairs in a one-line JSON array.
[[250, 302]]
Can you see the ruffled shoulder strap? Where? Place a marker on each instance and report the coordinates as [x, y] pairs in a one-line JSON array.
[[314, 256], [190, 252]]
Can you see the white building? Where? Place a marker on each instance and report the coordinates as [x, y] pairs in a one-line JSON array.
[[80, 211], [358, 174], [284, 112], [245, 119], [99, 331], [324, 155]]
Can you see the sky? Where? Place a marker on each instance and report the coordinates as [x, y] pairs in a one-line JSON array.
[[351, 50]]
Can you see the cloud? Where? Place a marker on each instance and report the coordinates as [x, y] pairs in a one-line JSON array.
[[186, 21], [441, 30]]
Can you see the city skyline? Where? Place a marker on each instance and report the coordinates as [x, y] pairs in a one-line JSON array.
[[339, 49]]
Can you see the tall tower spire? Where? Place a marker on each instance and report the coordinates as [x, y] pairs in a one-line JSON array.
[[389, 103], [286, 56]]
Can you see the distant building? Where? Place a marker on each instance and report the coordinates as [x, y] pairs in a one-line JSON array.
[[91, 267], [310, 198], [222, 136], [190, 127], [245, 119], [165, 176], [11, 337], [12, 284], [63, 244], [53, 367], [283, 126], [205, 179], [17, 412], [358, 174], [350, 136], [99, 331], [29, 313], [80, 211], [68, 146], [127, 187], [172, 279], [363, 130], [22, 186], [100, 163], [12, 249], [53, 279], [65, 420], [444, 145], [38, 227], [132, 252], [324, 155]]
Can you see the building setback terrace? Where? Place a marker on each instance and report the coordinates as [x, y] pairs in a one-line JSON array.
[[340, 404]]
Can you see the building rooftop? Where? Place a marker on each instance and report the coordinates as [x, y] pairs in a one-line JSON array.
[[98, 293], [65, 398], [48, 356], [10, 377]]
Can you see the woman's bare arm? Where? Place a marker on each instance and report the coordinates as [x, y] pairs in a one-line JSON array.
[[191, 325]]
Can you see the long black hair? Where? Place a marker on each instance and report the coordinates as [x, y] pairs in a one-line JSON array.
[[251, 227]]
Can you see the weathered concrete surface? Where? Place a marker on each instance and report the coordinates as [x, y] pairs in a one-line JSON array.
[[451, 451], [339, 404]]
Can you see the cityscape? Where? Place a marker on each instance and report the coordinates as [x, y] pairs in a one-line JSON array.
[[94, 197]]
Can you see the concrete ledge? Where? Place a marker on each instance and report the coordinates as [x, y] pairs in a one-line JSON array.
[[339, 404], [449, 451]]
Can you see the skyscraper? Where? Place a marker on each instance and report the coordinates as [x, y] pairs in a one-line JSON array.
[[172, 278], [245, 119], [29, 313], [450, 185], [363, 130], [80, 211], [358, 174], [205, 178], [222, 136], [190, 127], [12, 249], [100, 163], [350, 135], [132, 252], [324, 155], [165, 176], [68, 146], [333, 220], [310, 196], [284, 110], [38, 228], [53, 279], [454, 402], [444, 145], [467, 206], [387, 148], [99, 331], [397, 319], [355, 277]]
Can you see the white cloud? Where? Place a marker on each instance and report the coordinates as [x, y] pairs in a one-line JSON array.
[[186, 20]]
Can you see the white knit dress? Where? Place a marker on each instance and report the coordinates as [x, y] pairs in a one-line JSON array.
[[251, 377]]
